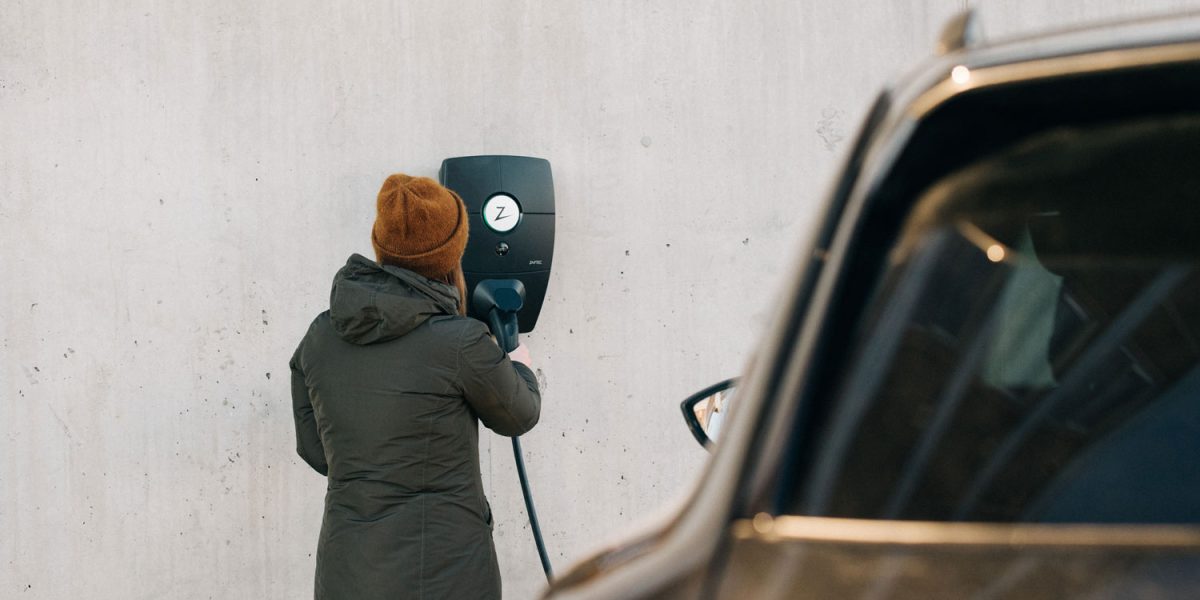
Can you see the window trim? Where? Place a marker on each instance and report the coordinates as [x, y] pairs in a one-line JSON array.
[[793, 528]]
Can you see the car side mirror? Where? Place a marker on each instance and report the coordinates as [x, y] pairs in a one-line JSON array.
[[705, 411]]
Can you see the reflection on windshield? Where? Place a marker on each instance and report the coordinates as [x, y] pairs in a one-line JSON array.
[[1033, 356]]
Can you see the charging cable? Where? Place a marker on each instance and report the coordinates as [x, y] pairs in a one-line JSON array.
[[529, 509]]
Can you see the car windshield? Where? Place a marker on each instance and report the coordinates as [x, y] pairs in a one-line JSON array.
[[1030, 352]]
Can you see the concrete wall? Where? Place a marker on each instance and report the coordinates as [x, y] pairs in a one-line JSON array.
[[179, 181]]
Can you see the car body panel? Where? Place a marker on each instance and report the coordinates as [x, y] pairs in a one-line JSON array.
[[813, 557]]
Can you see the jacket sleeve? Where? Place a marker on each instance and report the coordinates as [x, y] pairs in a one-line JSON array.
[[504, 394], [308, 439]]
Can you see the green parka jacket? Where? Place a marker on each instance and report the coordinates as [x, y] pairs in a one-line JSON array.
[[388, 387]]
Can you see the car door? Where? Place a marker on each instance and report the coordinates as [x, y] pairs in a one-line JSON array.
[[1009, 404]]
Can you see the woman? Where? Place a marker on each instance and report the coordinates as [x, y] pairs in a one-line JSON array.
[[388, 387]]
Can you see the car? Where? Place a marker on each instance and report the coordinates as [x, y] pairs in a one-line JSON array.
[[985, 379]]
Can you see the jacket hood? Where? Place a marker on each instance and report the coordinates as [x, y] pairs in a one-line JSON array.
[[371, 303]]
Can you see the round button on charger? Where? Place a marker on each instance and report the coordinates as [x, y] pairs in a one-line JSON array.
[[501, 213]]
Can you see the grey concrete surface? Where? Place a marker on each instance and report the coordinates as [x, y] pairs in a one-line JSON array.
[[179, 181]]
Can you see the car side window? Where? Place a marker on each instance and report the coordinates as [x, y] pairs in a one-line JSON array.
[[1031, 350]]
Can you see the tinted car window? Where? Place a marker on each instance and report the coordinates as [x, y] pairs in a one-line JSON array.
[[1030, 352]]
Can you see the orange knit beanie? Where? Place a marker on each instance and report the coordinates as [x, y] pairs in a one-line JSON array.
[[419, 225]]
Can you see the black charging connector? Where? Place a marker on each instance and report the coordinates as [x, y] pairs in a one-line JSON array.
[[500, 300]]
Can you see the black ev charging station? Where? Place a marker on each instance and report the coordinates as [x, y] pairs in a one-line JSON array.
[[510, 209]]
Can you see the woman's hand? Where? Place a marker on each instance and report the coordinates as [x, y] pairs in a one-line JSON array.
[[521, 354]]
